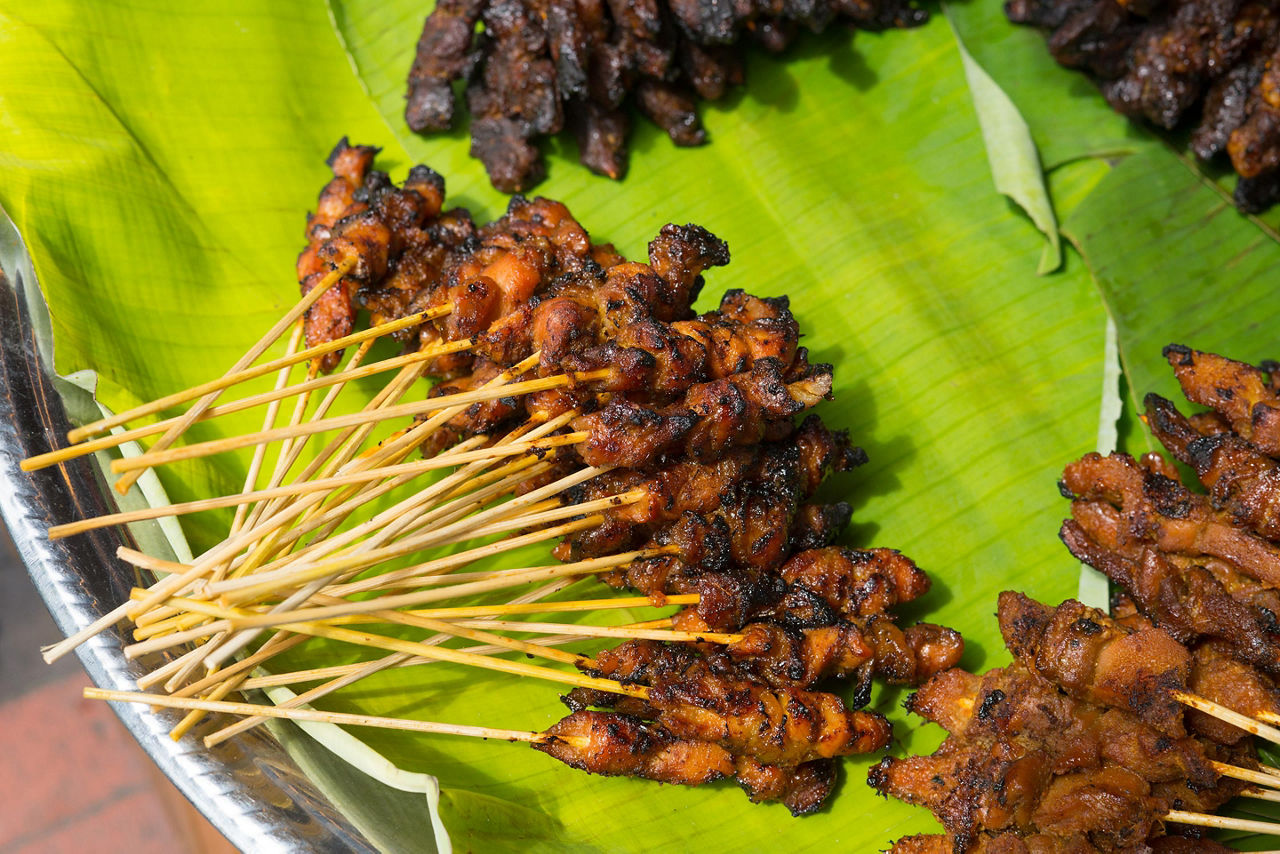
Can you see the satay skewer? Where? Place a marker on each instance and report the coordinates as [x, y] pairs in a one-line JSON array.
[[449, 527], [591, 631], [329, 280], [342, 718], [440, 564], [1222, 822], [247, 372], [363, 670], [268, 421], [327, 484], [1261, 794], [1236, 719]]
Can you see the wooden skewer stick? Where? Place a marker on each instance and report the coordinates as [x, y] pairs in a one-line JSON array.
[[336, 454], [179, 580], [315, 715], [1261, 794], [191, 612], [1268, 717], [269, 420], [600, 631], [158, 456], [303, 594], [516, 668], [312, 614], [126, 481], [269, 582], [244, 372], [327, 484], [1230, 716], [361, 671], [182, 579], [1248, 775], [1269, 828], [472, 634], [477, 611], [273, 680]]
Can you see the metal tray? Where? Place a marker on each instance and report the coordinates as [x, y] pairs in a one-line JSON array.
[[249, 788]]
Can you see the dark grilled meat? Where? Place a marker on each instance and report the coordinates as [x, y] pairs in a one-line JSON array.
[[618, 745], [539, 63], [1095, 659], [1168, 63]]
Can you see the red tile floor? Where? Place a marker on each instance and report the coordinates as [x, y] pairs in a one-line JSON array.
[[72, 779]]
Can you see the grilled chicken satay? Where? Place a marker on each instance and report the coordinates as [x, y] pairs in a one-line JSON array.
[[1242, 481], [1243, 394], [1016, 703], [756, 491], [1095, 659], [813, 588], [620, 745], [710, 420], [1217, 674], [1025, 760], [696, 696], [789, 655], [614, 744], [1161, 511]]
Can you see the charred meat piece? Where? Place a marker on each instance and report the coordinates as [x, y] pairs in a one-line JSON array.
[[803, 789], [1094, 659], [1240, 393], [1036, 762], [617, 745], [1187, 602], [1165, 62], [535, 64], [1157, 509], [443, 55]]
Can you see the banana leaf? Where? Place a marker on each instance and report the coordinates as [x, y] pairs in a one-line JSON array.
[[159, 161]]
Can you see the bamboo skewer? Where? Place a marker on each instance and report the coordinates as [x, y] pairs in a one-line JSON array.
[[268, 420], [361, 671], [199, 611], [1248, 775], [206, 400], [333, 458], [1230, 716], [315, 715], [290, 451], [1261, 794], [390, 602], [179, 580], [156, 457], [244, 373], [478, 611], [517, 668], [447, 562], [388, 531], [590, 631], [283, 491], [1268, 828]]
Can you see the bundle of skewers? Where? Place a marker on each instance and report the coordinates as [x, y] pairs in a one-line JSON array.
[[582, 401], [1124, 732], [1171, 64]]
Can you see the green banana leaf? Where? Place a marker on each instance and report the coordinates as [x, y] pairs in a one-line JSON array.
[[159, 161]]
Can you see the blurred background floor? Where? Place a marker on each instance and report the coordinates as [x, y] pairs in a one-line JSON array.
[[72, 779]]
